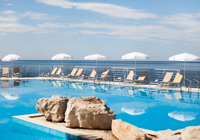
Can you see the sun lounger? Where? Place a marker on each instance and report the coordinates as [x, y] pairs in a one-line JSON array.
[[142, 77], [5, 72], [58, 73], [72, 74], [177, 80], [78, 74], [17, 72], [92, 75], [166, 79], [104, 75], [128, 79], [52, 73]]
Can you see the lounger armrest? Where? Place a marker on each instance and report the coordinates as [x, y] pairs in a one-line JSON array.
[[189, 81], [196, 81]]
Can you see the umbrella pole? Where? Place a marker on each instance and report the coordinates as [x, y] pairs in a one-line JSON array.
[[135, 68], [96, 63], [12, 67], [184, 71]]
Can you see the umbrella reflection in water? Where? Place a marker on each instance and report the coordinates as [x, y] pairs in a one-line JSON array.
[[183, 116], [11, 96], [134, 111]]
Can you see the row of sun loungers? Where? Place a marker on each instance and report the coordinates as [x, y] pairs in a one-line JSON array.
[[166, 80], [131, 78], [5, 72]]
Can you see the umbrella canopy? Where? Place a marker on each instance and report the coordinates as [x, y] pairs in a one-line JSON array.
[[183, 116], [135, 55], [184, 57], [10, 96], [61, 56], [96, 57], [11, 57]]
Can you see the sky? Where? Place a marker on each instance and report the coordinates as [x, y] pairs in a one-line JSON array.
[[40, 29]]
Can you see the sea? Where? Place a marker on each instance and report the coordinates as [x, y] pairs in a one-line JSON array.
[[176, 65]]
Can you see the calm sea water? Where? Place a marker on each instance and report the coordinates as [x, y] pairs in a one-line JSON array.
[[110, 63]]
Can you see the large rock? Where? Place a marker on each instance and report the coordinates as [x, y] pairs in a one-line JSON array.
[[88, 112], [126, 131], [191, 133], [53, 108]]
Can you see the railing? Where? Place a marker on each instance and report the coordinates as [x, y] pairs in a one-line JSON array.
[[192, 77]]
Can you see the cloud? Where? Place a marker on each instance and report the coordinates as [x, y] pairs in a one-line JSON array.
[[134, 32], [21, 28], [52, 25], [9, 18], [102, 8], [181, 20], [9, 4], [12, 16], [15, 27], [38, 16], [8, 12]]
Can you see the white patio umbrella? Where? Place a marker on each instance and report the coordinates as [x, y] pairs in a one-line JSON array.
[[184, 57], [61, 56], [183, 116], [11, 57], [96, 57], [135, 55]]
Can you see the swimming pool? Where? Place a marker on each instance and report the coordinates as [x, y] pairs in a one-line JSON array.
[[153, 109]]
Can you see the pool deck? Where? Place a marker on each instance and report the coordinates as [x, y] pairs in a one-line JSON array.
[[106, 82], [31, 120]]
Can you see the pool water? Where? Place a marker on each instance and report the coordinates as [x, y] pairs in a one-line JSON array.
[[147, 108]]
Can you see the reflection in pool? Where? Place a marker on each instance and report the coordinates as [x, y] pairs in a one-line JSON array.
[[153, 109], [133, 111], [183, 116]]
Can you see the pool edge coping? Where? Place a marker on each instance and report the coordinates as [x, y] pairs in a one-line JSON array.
[[31, 119]]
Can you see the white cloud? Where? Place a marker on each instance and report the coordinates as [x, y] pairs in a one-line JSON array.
[[2, 33], [9, 4], [9, 18], [38, 16], [142, 33], [102, 8], [52, 25], [182, 20], [15, 27], [8, 12], [12, 16]]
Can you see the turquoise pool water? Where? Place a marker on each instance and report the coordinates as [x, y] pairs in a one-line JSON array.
[[147, 108]]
